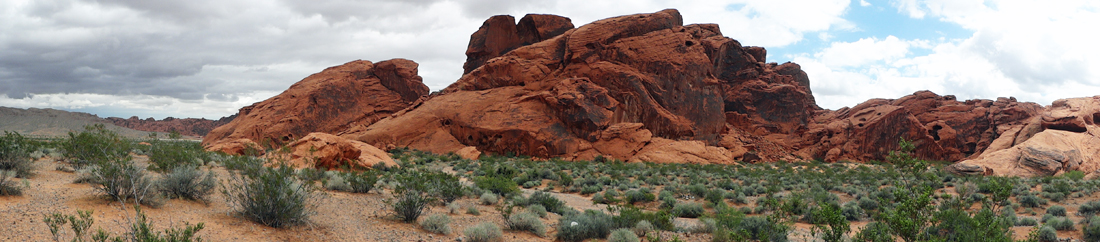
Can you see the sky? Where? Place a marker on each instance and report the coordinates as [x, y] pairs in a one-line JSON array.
[[209, 58]]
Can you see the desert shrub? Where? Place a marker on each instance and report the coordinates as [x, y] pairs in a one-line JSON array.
[[547, 200], [527, 221], [453, 207], [622, 235], [874, 232], [1026, 222], [763, 228], [483, 232], [1061, 223], [697, 190], [336, 183], [829, 221], [472, 210], [499, 185], [630, 216], [189, 183], [715, 196], [1091, 229], [354, 181], [642, 228], [1074, 175], [537, 209], [411, 196], [591, 224], [165, 156], [636, 196], [94, 145], [489, 198], [688, 210], [1089, 208], [443, 186], [867, 203], [852, 211], [271, 196], [15, 155], [123, 180], [1046, 217], [1030, 201], [1048, 234], [140, 229], [1057, 210], [437, 223], [958, 225], [590, 190], [8, 187], [310, 174]]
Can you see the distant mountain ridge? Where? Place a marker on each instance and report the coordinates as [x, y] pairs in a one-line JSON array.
[[54, 123], [185, 126]]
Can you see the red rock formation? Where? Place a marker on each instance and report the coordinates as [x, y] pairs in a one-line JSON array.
[[185, 126], [1064, 137], [500, 34], [555, 97], [355, 93], [326, 151]]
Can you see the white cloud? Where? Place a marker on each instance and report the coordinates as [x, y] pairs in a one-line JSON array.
[[864, 3]]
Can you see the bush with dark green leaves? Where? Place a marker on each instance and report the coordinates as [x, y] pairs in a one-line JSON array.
[[411, 196], [1089, 208], [1048, 234], [1061, 223], [189, 183], [688, 210], [852, 211], [271, 196], [591, 224], [829, 222], [164, 156], [547, 200], [636, 196], [1031, 201], [1057, 210], [1026, 222], [874, 232], [15, 155], [94, 145], [499, 185], [1091, 228]]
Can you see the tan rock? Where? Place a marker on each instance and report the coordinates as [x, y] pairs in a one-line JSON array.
[[326, 151]]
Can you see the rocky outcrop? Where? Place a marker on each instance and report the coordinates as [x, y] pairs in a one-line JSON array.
[[326, 151], [355, 93], [941, 127], [556, 97], [1064, 137], [185, 126], [500, 34]]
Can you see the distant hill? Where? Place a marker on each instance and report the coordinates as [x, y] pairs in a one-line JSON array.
[[56, 123], [186, 126]]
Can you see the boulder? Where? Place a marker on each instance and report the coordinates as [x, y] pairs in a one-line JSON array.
[[1065, 137], [500, 34], [326, 151], [355, 93], [564, 96]]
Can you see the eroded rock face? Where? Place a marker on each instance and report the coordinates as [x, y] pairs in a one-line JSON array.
[[1064, 137], [326, 151], [500, 34], [564, 96], [185, 126], [355, 93]]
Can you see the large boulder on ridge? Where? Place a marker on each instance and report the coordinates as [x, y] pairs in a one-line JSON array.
[[500, 34], [1064, 137], [554, 98], [355, 93]]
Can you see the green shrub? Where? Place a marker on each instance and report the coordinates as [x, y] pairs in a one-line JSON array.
[[688, 210], [829, 221], [1089, 208], [1057, 210], [1030, 201], [122, 180], [189, 183], [1061, 224], [643, 227], [622, 235], [874, 232], [499, 185], [764, 228], [1048, 234], [412, 195], [547, 200], [94, 145], [270, 196], [140, 229], [472, 210], [1091, 229], [15, 155], [437, 223], [592, 224], [636, 196], [868, 203], [630, 216], [310, 174], [489, 198], [483, 232], [1026, 222], [537, 209], [165, 156], [852, 211], [527, 221]]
